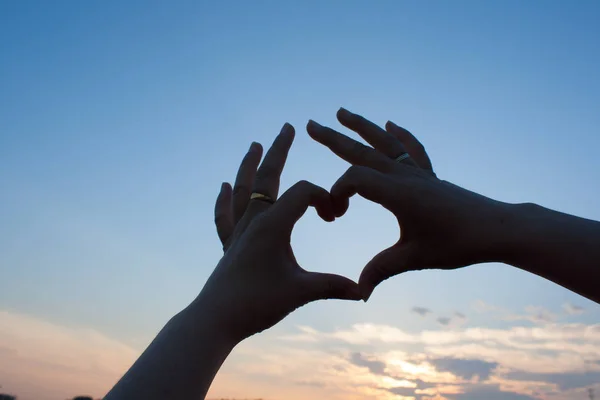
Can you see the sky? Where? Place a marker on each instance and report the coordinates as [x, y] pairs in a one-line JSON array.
[[120, 120]]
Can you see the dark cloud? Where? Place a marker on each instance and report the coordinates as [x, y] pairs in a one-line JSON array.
[[375, 366], [408, 392], [339, 368], [405, 392], [424, 385], [460, 315], [488, 393], [444, 321], [464, 368], [422, 311], [565, 381], [572, 309], [402, 391]]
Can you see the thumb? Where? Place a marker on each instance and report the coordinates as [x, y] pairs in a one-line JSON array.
[[391, 261], [322, 286]]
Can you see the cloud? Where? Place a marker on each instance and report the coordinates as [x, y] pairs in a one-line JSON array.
[[460, 315], [540, 314], [358, 334], [315, 384], [445, 321], [465, 368], [565, 381], [489, 393], [572, 309], [422, 311], [40, 359], [533, 314], [560, 358], [376, 367], [404, 391]]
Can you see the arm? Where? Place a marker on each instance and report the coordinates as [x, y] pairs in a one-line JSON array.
[[181, 361], [560, 247], [444, 226], [256, 284]]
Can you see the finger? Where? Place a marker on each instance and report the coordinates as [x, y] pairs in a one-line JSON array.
[[368, 183], [412, 145], [381, 140], [295, 201], [224, 213], [269, 173], [244, 180], [348, 149], [389, 262], [321, 286]]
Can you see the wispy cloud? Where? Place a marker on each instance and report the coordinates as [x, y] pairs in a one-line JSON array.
[[373, 365], [519, 362], [460, 315], [39, 359], [422, 311], [533, 314], [464, 368], [572, 309], [362, 361]]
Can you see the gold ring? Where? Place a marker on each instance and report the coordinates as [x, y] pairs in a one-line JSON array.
[[402, 157], [261, 197]]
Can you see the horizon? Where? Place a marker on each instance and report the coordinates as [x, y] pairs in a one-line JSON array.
[[119, 121]]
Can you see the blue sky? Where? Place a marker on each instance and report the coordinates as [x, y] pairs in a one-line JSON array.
[[119, 121]]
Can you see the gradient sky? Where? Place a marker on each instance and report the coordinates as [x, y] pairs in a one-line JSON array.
[[119, 121]]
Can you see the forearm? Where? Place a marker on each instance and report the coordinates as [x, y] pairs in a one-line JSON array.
[[182, 360], [560, 247]]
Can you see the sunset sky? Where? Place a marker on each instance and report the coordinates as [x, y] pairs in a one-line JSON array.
[[119, 121]]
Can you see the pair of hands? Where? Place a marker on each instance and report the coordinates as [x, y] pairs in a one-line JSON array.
[[258, 281]]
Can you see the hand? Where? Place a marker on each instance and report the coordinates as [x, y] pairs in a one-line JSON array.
[[442, 225], [258, 281]]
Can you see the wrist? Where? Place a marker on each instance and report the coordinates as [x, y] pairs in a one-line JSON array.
[[210, 316], [514, 225]]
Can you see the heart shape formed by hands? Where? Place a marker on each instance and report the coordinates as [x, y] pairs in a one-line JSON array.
[[439, 222]]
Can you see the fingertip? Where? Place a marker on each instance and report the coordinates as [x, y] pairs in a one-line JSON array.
[[390, 125], [365, 288], [323, 203], [400, 132], [342, 113], [312, 125], [340, 206], [225, 187], [254, 154], [354, 293], [349, 290], [368, 281], [288, 129], [326, 213]]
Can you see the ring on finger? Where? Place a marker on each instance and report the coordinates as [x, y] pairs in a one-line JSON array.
[[262, 197], [402, 157]]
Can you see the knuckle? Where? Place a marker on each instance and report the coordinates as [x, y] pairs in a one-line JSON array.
[[355, 171], [304, 185], [360, 150]]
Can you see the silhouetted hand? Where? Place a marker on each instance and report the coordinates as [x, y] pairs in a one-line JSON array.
[[258, 281], [442, 225]]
